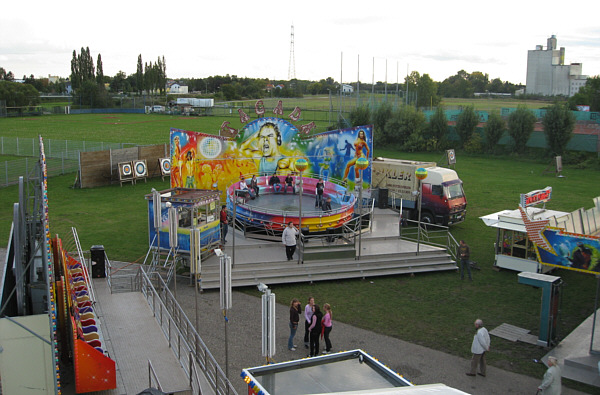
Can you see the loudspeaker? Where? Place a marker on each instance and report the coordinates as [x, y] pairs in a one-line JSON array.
[[98, 261]]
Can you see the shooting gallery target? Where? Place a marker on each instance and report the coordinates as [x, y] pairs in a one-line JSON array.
[[141, 170], [451, 156], [165, 166], [125, 169]]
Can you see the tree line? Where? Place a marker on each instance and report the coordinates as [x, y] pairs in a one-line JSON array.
[[89, 86], [407, 129], [417, 89]]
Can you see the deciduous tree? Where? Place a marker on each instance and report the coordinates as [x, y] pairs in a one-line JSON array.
[[588, 95], [18, 95], [494, 129], [99, 71], [405, 128], [6, 75], [438, 127], [466, 123], [381, 115], [558, 123], [139, 75], [520, 126]]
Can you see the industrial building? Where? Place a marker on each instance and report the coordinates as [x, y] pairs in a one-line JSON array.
[[547, 73]]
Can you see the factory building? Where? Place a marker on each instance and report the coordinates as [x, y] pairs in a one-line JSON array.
[[547, 73]]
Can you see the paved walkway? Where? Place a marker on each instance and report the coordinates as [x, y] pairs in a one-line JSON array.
[[419, 364]]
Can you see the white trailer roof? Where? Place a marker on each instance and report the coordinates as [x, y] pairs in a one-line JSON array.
[[511, 219]]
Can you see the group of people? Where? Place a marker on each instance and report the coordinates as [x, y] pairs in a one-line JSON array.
[[252, 191], [275, 183], [317, 324], [551, 383]]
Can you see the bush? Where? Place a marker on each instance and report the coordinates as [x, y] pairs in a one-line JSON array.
[[474, 145], [360, 116]]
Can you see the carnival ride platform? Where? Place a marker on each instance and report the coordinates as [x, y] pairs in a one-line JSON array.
[[378, 252], [271, 210]]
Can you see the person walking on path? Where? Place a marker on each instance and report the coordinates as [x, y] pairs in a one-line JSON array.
[[308, 313], [551, 384], [294, 319], [481, 345], [288, 238], [315, 330], [464, 252], [327, 327], [224, 222]]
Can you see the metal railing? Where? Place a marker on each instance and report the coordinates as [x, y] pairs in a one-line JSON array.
[[182, 335], [306, 213], [430, 234], [153, 377]]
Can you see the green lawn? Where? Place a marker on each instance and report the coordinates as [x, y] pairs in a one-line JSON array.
[[435, 310], [485, 104]]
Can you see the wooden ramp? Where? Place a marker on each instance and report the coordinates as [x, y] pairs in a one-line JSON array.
[[514, 333]]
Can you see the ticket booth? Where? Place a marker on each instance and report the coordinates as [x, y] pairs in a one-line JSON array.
[[198, 231]]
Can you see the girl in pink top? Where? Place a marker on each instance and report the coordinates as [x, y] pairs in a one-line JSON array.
[[327, 326]]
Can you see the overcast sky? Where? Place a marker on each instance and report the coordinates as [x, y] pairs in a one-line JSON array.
[[252, 39]]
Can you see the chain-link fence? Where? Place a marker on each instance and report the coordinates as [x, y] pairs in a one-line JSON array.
[[67, 149], [11, 170], [62, 156]]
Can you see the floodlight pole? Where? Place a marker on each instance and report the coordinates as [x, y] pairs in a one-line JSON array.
[[300, 214], [419, 222], [421, 174], [361, 164], [234, 198], [225, 300], [360, 188]]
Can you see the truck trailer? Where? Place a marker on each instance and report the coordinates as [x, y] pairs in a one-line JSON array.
[[443, 200]]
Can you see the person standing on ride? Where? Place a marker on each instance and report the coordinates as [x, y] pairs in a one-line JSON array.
[[254, 185], [288, 238], [319, 189]]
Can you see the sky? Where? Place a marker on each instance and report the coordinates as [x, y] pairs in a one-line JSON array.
[[346, 40]]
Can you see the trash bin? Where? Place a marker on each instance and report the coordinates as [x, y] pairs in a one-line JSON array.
[[98, 258]]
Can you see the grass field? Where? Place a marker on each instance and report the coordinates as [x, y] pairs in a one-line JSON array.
[[435, 310], [493, 104]]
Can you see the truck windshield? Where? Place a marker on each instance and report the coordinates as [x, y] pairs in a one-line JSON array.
[[453, 191]]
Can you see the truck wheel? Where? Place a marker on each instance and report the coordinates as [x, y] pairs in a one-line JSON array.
[[427, 217]]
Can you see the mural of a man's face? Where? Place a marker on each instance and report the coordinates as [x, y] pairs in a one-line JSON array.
[[267, 140]]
